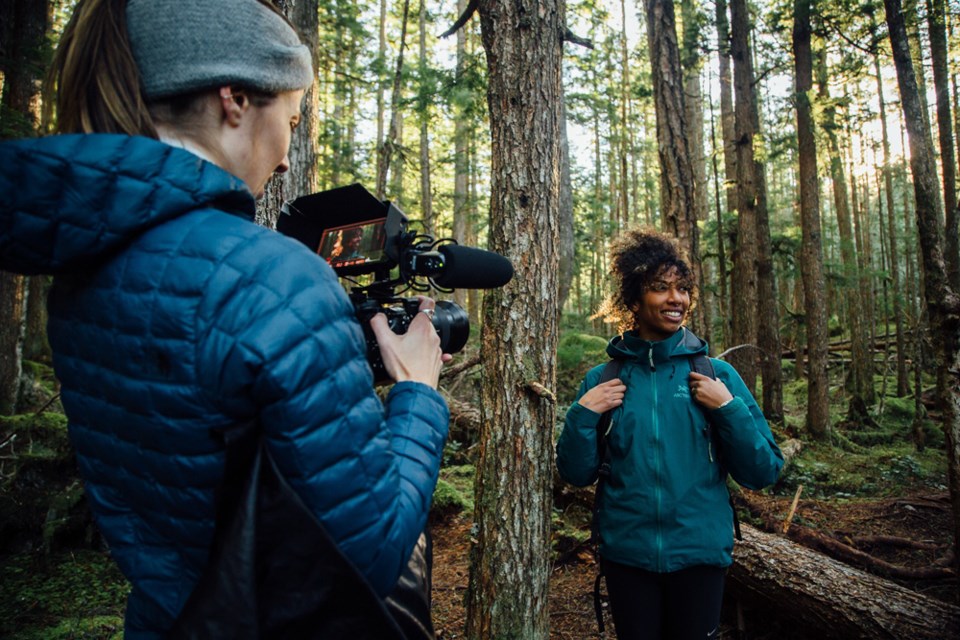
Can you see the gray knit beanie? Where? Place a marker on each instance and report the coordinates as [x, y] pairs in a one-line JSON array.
[[182, 47]]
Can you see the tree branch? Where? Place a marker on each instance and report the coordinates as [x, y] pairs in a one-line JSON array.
[[570, 36], [541, 391], [462, 20]]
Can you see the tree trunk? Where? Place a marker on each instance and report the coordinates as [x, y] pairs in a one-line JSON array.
[[381, 79], [728, 136], [567, 243], [860, 381], [22, 58], [426, 195], [722, 297], [677, 186], [13, 302], [623, 201], [745, 254], [811, 260], [690, 61], [943, 302], [903, 386], [936, 20], [391, 146], [302, 178], [510, 567], [35, 344], [832, 600], [461, 153]]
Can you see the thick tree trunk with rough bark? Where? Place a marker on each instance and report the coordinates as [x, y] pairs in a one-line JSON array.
[[746, 258], [811, 260], [691, 63], [830, 599], [302, 177], [936, 20], [510, 564], [677, 182], [943, 302]]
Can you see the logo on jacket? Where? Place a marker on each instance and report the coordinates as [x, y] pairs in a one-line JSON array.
[[683, 391]]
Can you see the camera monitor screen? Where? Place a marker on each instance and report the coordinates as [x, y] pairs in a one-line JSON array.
[[346, 226], [353, 245]]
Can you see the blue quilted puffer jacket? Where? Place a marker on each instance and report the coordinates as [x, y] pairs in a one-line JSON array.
[[172, 315]]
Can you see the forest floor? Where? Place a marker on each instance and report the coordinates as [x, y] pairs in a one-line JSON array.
[[80, 594], [921, 517]]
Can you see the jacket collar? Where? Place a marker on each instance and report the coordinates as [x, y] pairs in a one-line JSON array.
[[630, 346]]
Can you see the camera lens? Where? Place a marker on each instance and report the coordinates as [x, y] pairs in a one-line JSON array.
[[453, 326]]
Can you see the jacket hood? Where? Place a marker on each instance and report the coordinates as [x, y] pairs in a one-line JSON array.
[[69, 202], [629, 346]]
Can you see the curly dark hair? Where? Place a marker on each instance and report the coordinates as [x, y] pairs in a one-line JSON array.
[[638, 257]]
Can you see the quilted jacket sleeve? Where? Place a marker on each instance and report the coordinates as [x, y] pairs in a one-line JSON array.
[[282, 342], [750, 454]]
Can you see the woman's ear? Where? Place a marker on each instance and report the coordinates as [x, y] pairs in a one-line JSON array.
[[234, 103]]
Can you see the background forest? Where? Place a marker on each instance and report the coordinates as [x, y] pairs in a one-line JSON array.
[[805, 155]]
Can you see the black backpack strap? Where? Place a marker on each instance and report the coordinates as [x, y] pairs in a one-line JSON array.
[[702, 365], [610, 371]]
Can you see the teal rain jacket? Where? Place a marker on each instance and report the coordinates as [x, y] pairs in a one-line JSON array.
[[173, 315], [665, 506]]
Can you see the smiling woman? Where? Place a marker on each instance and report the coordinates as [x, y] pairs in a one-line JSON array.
[[665, 523]]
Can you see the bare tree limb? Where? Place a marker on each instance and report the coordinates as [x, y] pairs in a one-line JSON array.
[[571, 37], [462, 20]]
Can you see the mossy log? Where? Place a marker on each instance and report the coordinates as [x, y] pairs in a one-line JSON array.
[[829, 598]]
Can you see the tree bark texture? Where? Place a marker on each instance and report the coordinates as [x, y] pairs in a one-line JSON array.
[[746, 258], [903, 387], [830, 599], [936, 21], [728, 137], [811, 258], [510, 564], [302, 178], [691, 63], [943, 302], [677, 182], [13, 303], [860, 380]]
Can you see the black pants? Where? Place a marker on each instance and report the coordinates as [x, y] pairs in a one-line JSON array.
[[681, 605]]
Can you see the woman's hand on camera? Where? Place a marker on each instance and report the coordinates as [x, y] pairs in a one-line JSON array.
[[604, 397], [709, 393], [415, 355]]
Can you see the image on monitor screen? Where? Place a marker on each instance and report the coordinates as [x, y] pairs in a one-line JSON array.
[[354, 244]]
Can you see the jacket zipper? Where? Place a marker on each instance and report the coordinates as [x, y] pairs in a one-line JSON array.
[[656, 453]]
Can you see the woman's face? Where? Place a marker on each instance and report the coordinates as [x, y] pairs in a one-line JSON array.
[[257, 147], [663, 306]]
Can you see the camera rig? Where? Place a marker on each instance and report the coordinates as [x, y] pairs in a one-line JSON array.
[[357, 235]]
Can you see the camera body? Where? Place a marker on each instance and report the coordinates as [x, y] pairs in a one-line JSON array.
[[359, 235]]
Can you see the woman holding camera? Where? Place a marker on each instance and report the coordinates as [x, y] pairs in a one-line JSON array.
[[664, 519], [173, 316]]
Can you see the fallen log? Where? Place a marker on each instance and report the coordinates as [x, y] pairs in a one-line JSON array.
[[829, 598]]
